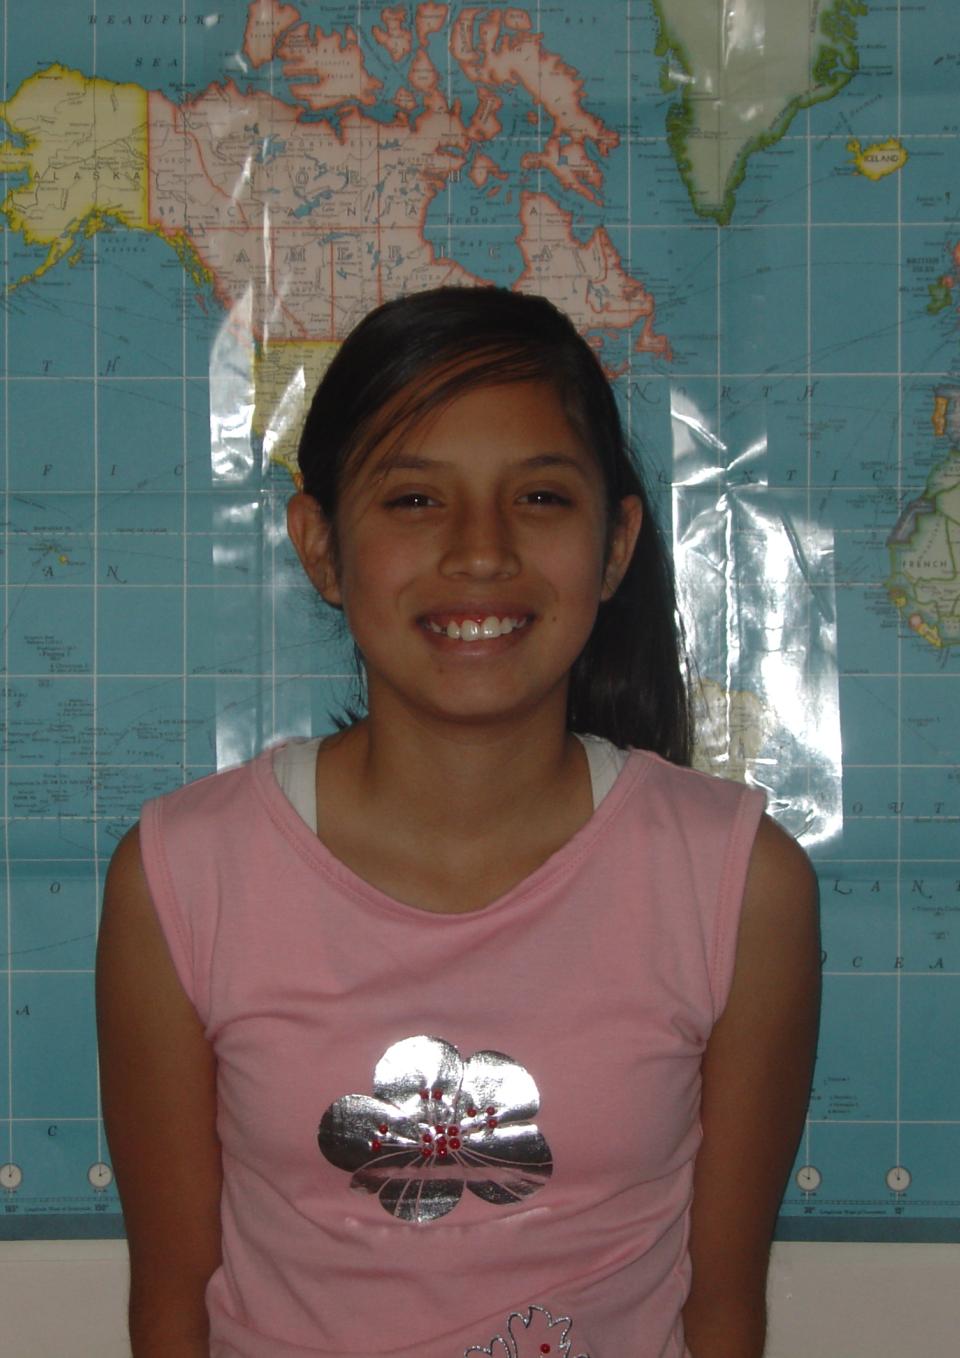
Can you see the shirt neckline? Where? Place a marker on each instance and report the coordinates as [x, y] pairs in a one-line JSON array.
[[312, 849]]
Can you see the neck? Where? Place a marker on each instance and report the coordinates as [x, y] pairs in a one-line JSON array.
[[458, 780], [449, 817]]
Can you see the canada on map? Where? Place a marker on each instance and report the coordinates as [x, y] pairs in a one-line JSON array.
[[301, 208], [711, 56], [924, 546]]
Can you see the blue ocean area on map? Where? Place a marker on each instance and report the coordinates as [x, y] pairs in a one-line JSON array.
[[785, 344]]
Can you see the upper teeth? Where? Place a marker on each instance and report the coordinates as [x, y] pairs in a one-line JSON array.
[[470, 630]]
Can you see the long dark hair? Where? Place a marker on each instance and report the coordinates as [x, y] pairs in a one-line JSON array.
[[414, 355]]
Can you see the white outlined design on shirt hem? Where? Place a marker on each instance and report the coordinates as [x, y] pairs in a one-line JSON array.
[[535, 1335]]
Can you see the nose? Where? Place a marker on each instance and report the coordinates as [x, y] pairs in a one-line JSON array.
[[480, 545]]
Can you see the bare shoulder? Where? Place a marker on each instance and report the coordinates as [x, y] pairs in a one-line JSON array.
[[778, 863], [131, 939], [756, 1080], [127, 904], [779, 923], [775, 993], [159, 1104], [139, 995], [125, 876], [140, 1000]]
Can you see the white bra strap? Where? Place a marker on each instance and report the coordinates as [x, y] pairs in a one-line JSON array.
[[605, 761], [295, 769]]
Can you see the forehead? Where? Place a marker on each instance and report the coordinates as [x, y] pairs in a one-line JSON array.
[[502, 421]]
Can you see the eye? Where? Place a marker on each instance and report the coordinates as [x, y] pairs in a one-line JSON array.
[[411, 499], [545, 497]]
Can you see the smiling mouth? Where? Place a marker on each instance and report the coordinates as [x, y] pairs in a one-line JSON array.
[[476, 629]]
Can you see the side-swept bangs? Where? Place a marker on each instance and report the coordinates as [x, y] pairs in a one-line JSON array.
[[412, 357]]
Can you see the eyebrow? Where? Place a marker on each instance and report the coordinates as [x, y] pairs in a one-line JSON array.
[[410, 462]]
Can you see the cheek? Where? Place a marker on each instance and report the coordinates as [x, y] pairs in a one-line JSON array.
[[577, 571], [372, 571], [580, 561]]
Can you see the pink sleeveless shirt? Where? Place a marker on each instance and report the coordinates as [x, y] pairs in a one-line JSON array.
[[454, 1134]]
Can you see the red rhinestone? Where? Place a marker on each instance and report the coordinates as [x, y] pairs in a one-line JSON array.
[[426, 1150], [490, 1111], [375, 1144], [471, 1112], [441, 1152], [438, 1094], [454, 1143], [454, 1131], [426, 1137], [439, 1128], [491, 1123], [383, 1128], [544, 1348], [424, 1093]]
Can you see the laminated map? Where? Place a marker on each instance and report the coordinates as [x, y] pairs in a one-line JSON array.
[[747, 210]]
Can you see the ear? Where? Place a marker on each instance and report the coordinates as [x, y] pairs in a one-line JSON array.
[[311, 533], [626, 530]]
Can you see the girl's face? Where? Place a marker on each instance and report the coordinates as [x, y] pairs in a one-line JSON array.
[[471, 557]]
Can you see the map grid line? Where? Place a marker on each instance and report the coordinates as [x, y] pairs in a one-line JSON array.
[[95, 594], [8, 874], [898, 1012], [808, 437]]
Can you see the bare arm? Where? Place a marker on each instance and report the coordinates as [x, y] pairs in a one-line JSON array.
[[756, 1082], [159, 1105]]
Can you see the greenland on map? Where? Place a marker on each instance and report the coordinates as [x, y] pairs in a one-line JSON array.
[[744, 71]]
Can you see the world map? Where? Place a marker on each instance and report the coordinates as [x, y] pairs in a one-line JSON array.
[[749, 213]]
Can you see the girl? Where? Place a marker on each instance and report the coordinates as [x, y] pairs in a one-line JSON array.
[[483, 1026]]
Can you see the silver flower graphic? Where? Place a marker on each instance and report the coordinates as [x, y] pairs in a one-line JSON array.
[[435, 1125], [530, 1336]]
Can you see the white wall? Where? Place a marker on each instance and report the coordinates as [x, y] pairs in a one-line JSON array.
[[66, 1300]]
